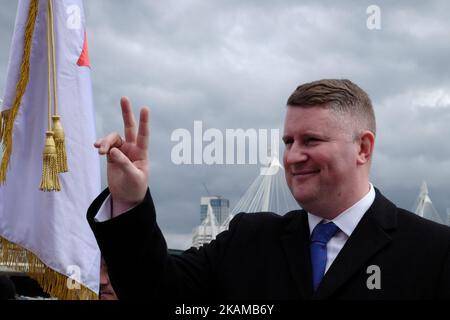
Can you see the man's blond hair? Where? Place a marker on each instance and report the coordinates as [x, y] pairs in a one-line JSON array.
[[340, 95]]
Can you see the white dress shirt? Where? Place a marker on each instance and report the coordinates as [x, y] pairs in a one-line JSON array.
[[346, 222], [104, 213]]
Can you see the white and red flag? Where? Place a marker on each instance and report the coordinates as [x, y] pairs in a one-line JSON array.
[[46, 233]]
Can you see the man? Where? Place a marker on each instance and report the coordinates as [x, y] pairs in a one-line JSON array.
[[106, 290], [348, 242]]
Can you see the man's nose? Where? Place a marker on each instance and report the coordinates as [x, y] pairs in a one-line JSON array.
[[103, 278], [295, 154]]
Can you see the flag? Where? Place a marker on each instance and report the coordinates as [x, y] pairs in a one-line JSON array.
[[46, 233]]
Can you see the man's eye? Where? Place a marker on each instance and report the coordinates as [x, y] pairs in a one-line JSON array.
[[311, 140], [288, 141]]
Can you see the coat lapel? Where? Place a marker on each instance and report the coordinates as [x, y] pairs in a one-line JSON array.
[[296, 246], [368, 238]]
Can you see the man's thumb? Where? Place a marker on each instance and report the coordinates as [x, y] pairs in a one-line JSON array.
[[117, 157]]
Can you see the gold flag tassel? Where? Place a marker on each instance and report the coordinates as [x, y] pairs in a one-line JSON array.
[[61, 154], [50, 178], [8, 116]]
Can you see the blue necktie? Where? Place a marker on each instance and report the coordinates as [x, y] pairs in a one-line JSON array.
[[320, 236]]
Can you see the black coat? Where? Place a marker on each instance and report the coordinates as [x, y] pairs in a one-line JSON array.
[[266, 256]]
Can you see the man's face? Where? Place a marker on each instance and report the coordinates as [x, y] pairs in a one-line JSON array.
[[319, 157], [106, 290]]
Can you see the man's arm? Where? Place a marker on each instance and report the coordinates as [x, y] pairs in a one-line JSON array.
[[138, 262], [133, 247]]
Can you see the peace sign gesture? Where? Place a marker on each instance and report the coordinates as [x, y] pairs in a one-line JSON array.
[[128, 164]]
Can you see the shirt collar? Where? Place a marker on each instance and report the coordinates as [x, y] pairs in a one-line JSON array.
[[348, 219]]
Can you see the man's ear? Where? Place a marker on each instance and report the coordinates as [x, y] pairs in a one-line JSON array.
[[366, 144]]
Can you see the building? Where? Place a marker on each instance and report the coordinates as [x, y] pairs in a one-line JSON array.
[[208, 229], [219, 205]]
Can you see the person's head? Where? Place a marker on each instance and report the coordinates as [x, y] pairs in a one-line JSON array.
[[106, 290], [329, 136], [7, 288]]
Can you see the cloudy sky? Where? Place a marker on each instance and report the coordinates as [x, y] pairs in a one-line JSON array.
[[232, 64]]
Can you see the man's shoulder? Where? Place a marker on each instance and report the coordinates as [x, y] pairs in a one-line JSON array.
[[404, 219], [421, 226]]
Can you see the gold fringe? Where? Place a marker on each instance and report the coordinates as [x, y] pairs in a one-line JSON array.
[[2, 125], [52, 282], [50, 178], [20, 90], [61, 155], [4, 115]]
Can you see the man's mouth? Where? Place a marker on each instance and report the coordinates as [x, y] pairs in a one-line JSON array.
[[304, 173], [106, 294], [106, 291]]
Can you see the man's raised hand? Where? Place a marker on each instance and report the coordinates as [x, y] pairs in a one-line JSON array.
[[128, 164]]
